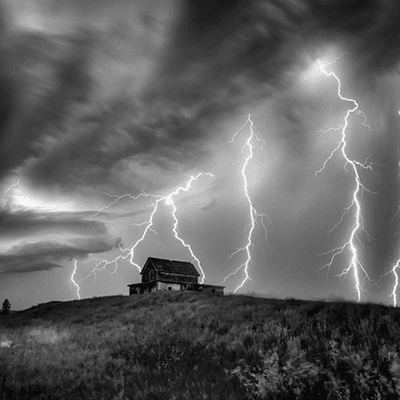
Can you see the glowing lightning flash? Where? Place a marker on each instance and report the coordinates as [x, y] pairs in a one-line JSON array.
[[396, 281], [12, 186], [9, 189], [394, 268], [169, 201], [73, 280], [355, 264], [254, 215]]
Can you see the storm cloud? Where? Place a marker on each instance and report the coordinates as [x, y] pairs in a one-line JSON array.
[[42, 256], [72, 114], [25, 222]]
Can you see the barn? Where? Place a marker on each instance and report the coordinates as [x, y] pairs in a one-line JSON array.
[[159, 274]]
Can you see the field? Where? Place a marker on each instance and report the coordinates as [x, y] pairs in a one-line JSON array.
[[196, 346]]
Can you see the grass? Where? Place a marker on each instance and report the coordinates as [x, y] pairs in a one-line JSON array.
[[183, 345]]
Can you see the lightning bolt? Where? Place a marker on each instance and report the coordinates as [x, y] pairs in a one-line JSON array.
[[73, 280], [396, 281], [394, 268], [355, 264], [75, 262], [255, 217], [148, 226], [12, 186]]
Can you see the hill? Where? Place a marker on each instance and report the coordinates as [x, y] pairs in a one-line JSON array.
[[180, 345]]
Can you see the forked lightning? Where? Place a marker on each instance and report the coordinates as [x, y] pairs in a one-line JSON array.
[[130, 252], [254, 215], [355, 264]]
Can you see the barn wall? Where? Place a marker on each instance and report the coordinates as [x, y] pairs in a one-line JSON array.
[[211, 290], [152, 287], [133, 290], [149, 274], [176, 278], [165, 286]]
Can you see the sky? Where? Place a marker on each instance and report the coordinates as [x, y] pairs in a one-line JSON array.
[[108, 108]]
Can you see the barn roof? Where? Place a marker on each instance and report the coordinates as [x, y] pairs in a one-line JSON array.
[[171, 266]]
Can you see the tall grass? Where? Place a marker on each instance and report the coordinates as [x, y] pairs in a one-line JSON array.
[[196, 346]]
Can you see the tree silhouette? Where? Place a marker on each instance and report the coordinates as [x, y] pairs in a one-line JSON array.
[[6, 307]]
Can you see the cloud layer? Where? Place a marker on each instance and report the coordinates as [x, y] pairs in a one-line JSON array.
[[25, 223], [74, 115], [73, 236], [42, 256]]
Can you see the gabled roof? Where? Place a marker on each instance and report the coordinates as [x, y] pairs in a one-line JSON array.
[[171, 266]]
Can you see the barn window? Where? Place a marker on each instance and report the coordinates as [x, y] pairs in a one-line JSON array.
[[213, 290], [169, 288]]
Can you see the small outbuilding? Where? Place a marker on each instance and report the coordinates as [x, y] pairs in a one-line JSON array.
[[159, 274]]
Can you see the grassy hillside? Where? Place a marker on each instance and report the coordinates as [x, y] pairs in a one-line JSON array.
[[198, 346]]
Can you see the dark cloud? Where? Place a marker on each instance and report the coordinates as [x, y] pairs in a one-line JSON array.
[[71, 129], [18, 223], [49, 76], [28, 266], [41, 256], [15, 224]]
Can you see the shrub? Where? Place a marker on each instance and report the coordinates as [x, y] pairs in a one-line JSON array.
[[6, 307]]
